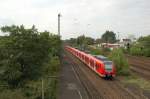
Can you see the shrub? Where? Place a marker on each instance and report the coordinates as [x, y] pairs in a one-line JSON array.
[[12, 94], [23, 53], [96, 51], [122, 66], [136, 51], [146, 52]]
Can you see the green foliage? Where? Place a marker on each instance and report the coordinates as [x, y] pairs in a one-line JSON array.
[[89, 40], [122, 66], [98, 41], [109, 37], [95, 51], [146, 52], [81, 41], [142, 47], [145, 42], [51, 67], [32, 89], [135, 50], [12, 94], [23, 53], [72, 41]]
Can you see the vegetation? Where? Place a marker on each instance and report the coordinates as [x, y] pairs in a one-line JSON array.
[[98, 41], [120, 62], [109, 37], [81, 42], [94, 51], [142, 47], [26, 57]]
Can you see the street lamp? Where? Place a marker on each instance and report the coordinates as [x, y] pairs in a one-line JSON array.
[[59, 15]]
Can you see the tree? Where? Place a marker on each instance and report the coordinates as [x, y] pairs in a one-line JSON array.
[[109, 37], [72, 41], [81, 40], [145, 42], [98, 41], [89, 40], [24, 51]]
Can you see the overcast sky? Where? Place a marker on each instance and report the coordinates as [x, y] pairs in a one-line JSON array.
[[88, 17]]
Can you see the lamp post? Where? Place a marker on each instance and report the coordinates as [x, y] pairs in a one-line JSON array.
[[59, 15]]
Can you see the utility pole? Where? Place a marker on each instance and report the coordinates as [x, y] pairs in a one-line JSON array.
[[59, 15]]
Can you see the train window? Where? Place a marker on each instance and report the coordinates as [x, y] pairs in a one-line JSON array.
[[108, 64]]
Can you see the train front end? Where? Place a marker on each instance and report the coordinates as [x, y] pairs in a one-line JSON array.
[[109, 69]]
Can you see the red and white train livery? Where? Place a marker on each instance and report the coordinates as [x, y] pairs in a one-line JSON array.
[[99, 64]]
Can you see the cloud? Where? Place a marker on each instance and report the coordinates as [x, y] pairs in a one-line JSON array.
[[124, 16]]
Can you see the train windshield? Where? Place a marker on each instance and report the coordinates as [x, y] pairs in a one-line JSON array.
[[108, 64]]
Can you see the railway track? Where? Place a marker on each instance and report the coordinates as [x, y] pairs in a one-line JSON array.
[[89, 88], [104, 89], [140, 65]]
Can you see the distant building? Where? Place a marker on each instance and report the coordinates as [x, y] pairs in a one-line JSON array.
[[110, 46], [120, 43], [125, 42]]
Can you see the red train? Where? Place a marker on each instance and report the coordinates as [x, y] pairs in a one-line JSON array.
[[99, 64]]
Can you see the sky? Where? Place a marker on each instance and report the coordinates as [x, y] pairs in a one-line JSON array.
[[89, 17]]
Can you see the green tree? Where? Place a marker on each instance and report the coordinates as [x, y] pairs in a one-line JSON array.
[[120, 62], [90, 40], [145, 45], [24, 51], [109, 37], [98, 41], [83, 41]]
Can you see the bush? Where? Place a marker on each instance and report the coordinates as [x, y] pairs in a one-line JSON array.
[[136, 51], [12, 94], [146, 52], [141, 47], [23, 53], [26, 57], [122, 66], [95, 51]]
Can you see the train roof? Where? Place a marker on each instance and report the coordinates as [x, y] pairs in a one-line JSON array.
[[102, 58]]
